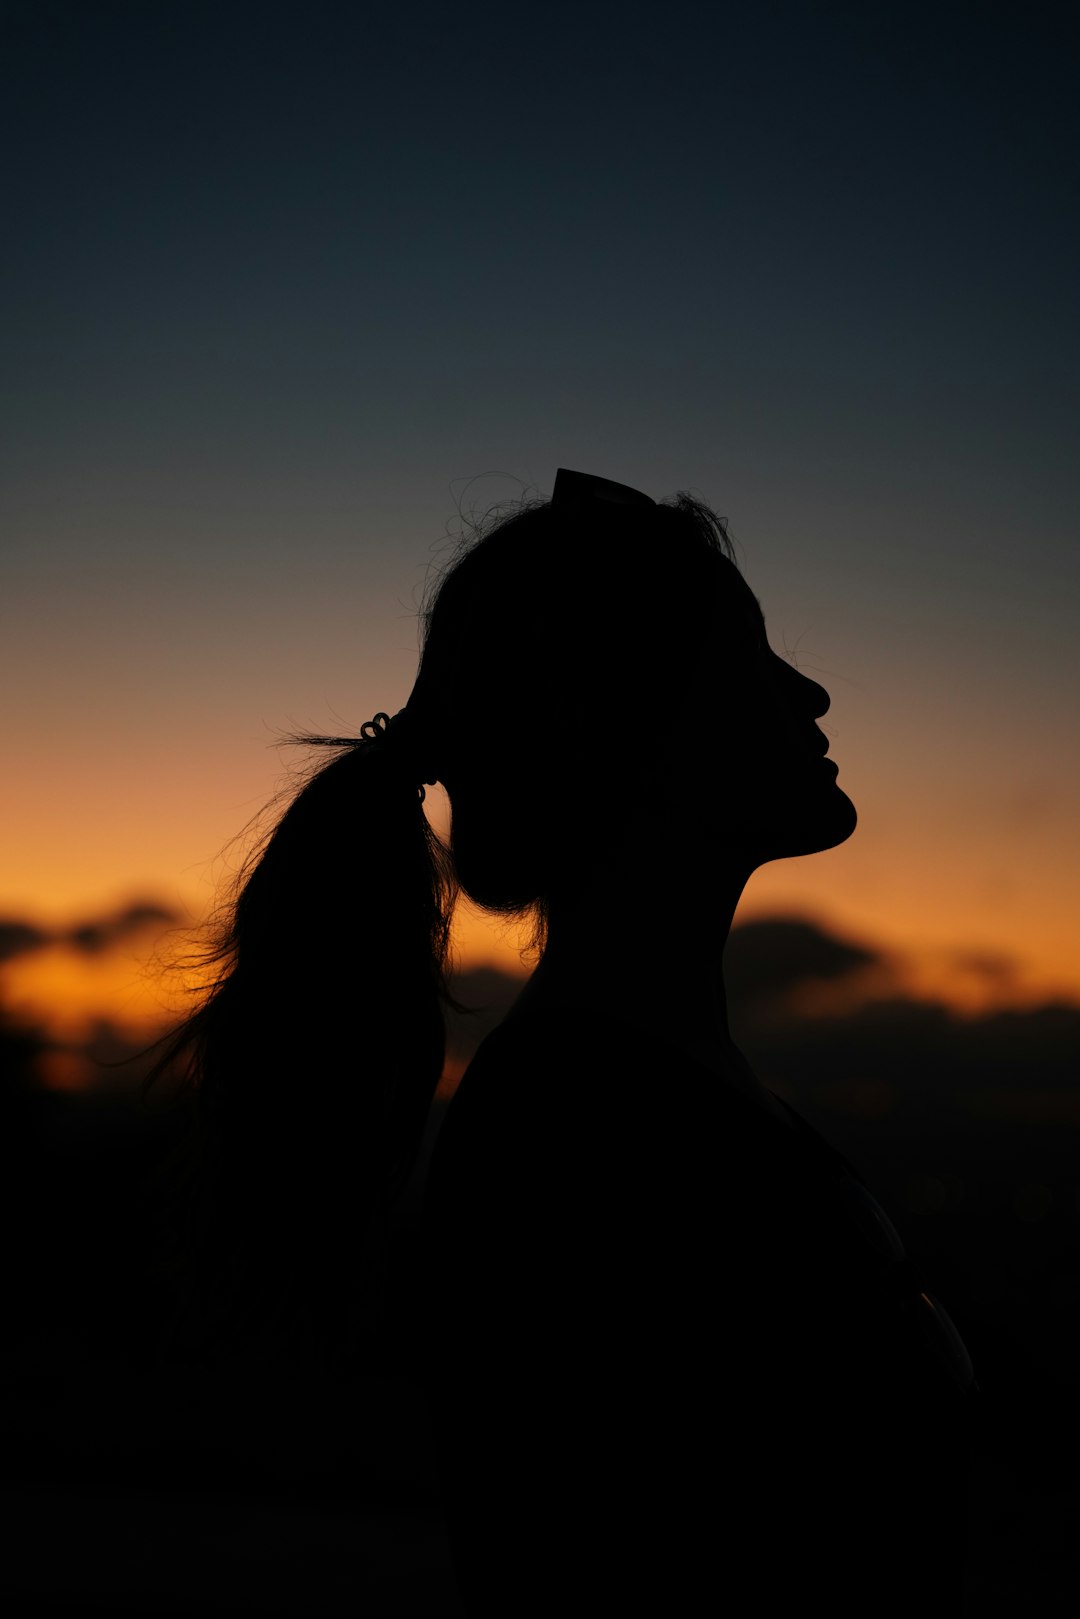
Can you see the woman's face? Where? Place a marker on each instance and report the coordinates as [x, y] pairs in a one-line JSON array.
[[776, 792]]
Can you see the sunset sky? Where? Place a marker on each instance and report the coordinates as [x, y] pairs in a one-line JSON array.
[[285, 283]]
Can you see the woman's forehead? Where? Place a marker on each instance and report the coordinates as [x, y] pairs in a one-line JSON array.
[[735, 599]]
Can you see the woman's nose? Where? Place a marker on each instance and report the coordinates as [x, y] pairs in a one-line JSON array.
[[806, 692]]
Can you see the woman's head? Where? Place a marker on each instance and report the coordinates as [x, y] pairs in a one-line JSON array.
[[586, 656], [598, 648]]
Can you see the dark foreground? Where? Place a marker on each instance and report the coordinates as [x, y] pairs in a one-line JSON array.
[[108, 1509], [100, 1518], [128, 1490]]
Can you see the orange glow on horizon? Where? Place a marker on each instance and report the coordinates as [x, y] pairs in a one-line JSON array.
[[963, 911], [972, 886], [71, 996]]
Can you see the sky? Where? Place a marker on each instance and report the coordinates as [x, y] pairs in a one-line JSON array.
[[294, 289]]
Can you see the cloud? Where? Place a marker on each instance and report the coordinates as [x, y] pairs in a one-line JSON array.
[[485, 995], [98, 934], [768, 958], [996, 970], [878, 1049], [18, 937]]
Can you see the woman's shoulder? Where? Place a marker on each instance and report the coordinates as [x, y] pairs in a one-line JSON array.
[[564, 1099], [535, 1086], [565, 1064], [597, 1055]]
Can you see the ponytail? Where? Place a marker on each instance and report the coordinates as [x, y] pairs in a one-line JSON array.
[[314, 1056]]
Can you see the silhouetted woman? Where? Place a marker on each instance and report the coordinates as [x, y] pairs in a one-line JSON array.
[[676, 1353]]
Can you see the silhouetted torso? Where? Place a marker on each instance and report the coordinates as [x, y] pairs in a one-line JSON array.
[[678, 1357]]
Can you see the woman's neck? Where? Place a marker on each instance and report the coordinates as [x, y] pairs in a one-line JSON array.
[[648, 956]]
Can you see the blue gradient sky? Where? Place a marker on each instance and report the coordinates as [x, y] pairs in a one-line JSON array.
[[284, 278]]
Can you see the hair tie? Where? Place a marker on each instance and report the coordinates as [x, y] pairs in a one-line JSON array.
[[373, 729], [401, 733]]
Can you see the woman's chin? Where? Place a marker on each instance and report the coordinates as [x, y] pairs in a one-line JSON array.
[[844, 818], [826, 824]]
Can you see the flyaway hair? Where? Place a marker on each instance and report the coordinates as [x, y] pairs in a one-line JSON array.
[[550, 647], [313, 1058]]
